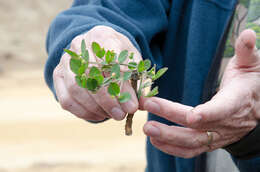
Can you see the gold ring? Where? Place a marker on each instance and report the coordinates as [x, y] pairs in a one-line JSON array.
[[210, 138]]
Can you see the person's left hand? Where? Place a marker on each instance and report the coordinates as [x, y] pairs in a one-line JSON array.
[[231, 114]]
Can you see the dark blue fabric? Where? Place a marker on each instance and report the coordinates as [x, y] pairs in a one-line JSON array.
[[180, 34], [252, 165]]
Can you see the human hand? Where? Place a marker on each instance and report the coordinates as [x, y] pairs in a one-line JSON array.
[[79, 101], [231, 114]]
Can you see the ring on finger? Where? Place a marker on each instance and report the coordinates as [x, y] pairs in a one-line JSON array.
[[210, 138]]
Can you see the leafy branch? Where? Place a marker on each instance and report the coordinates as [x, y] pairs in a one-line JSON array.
[[106, 73]]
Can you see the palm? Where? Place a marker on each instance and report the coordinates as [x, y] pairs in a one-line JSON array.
[[230, 115]]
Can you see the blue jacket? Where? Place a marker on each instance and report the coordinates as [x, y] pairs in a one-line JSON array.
[[183, 35]]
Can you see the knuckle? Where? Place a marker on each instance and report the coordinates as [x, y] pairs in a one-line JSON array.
[[132, 109], [168, 136], [102, 29], [98, 110], [104, 99], [77, 39], [191, 123], [57, 72], [93, 107], [252, 97], [193, 119], [65, 103], [76, 42], [73, 89], [195, 142]]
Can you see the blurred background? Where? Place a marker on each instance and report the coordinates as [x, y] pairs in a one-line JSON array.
[[35, 133]]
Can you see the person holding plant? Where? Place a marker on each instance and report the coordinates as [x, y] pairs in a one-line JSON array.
[[187, 36]]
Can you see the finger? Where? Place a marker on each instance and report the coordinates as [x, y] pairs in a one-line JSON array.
[[174, 112], [109, 104], [79, 94], [245, 46], [102, 98], [177, 150], [178, 136], [226, 102], [130, 106], [69, 104], [82, 96]]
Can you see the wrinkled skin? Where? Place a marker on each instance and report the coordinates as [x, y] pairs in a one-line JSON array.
[[80, 102], [231, 114]]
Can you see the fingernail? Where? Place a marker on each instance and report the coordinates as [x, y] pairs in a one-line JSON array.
[[152, 130], [130, 106], [151, 106], [117, 113]]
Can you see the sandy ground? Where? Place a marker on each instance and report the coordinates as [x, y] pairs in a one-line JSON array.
[[35, 133]]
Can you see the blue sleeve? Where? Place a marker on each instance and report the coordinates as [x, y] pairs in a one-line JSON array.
[[139, 20]]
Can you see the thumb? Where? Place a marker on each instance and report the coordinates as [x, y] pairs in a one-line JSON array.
[[245, 49], [227, 101]]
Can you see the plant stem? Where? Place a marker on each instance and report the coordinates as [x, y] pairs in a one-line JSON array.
[[129, 118]]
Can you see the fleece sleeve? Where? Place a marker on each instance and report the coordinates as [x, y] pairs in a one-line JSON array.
[[139, 20]]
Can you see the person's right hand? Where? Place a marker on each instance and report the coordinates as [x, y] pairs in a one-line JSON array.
[[79, 101]]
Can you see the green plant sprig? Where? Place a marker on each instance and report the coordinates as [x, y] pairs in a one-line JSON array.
[[107, 72]]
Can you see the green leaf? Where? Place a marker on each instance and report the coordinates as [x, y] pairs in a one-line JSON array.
[[122, 56], [84, 51], [96, 47], [100, 79], [124, 97], [103, 63], [115, 71], [152, 93], [107, 80], [147, 64], [109, 56], [83, 46], [105, 67], [147, 84], [71, 53], [85, 56], [151, 72], [100, 54], [82, 68], [81, 81], [127, 76], [94, 71], [141, 67], [96, 74], [75, 64], [132, 65], [78, 80], [159, 73], [131, 56], [113, 89], [114, 56], [91, 84]]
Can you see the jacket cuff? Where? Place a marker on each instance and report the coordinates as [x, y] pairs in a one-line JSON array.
[[248, 147]]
